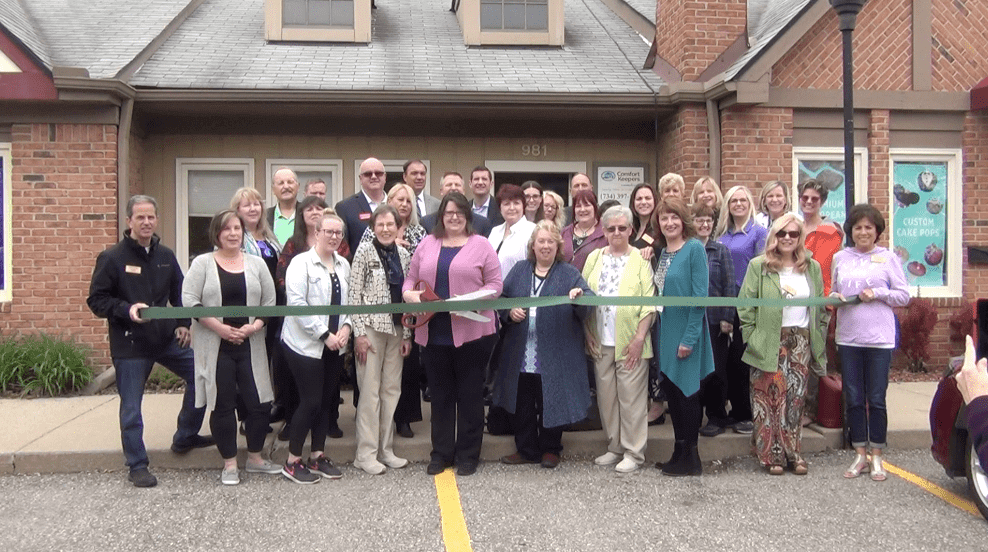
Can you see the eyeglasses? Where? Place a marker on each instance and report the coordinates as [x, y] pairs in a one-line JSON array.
[[738, 200], [368, 174], [703, 221], [793, 234], [620, 229], [332, 233], [532, 197], [454, 214], [810, 199]]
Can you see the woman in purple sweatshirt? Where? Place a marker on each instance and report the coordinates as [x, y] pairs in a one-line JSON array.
[[866, 332]]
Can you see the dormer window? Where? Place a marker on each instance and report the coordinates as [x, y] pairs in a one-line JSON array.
[[318, 20], [511, 22]]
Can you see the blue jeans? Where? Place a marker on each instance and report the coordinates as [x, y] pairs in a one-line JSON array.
[[866, 378], [132, 374]]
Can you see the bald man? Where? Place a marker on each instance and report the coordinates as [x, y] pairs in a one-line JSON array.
[[356, 210]]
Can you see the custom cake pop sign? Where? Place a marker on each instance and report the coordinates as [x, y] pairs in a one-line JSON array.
[[919, 229]]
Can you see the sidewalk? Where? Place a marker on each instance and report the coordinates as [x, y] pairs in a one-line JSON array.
[[83, 434]]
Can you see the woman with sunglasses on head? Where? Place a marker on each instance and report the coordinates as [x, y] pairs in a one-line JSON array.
[[866, 332], [736, 229], [784, 345], [686, 357], [823, 236]]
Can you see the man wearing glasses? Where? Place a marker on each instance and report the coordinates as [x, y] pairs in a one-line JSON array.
[[356, 210]]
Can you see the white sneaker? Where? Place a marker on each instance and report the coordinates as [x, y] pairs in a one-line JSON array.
[[230, 476], [626, 466], [393, 461], [373, 467], [607, 459]]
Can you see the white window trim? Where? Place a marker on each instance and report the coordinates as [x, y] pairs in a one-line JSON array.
[[182, 167], [468, 16], [954, 253], [832, 154], [571, 167], [392, 165], [6, 153], [334, 166], [274, 30]]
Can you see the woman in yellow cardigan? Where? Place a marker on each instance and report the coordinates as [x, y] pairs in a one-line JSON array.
[[617, 338]]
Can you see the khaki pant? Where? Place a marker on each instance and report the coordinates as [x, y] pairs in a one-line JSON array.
[[622, 397], [379, 381]]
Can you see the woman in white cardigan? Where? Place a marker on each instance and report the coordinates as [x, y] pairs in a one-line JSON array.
[[230, 352]]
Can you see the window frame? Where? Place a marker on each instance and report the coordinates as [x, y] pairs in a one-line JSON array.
[[468, 16], [275, 30], [6, 161], [953, 252], [182, 167], [835, 153], [333, 166]]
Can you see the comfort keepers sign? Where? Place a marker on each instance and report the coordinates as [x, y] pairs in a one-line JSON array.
[[616, 182]]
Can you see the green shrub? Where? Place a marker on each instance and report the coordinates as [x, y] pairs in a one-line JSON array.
[[163, 379], [44, 364]]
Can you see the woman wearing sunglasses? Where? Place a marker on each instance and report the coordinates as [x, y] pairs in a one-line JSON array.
[[783, 344]]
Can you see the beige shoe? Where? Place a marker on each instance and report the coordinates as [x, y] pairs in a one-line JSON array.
[[373, 467], [626, 466], [393, 461], [607, 459]]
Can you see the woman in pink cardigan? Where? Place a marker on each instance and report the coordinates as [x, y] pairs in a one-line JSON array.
[[453, 261]]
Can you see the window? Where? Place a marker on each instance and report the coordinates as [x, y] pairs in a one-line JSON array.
[[5, 226], [205, 187], [327, 170], [925, 192], [511, 22], [514, 15], [318, 20], [827, 166]]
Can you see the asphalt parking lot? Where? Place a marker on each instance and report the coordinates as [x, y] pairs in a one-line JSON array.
[[577, 507]]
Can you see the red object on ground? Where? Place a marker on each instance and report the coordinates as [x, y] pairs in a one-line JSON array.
[[829, 403]]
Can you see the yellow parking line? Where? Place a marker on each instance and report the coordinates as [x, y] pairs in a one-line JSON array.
[[940, 492], [455, 535]]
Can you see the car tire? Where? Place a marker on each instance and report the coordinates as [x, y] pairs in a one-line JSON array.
[[977, 479]]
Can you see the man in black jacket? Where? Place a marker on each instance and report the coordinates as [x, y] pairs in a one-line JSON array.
[[135, 273]]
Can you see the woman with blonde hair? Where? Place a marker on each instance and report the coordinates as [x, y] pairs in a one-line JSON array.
[[259, 239], [773, 202], [672, 185], [784, 345], [736, 229], [552, 208], [707, 191]]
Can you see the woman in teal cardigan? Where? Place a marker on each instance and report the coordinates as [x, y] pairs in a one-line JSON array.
[[686, 356], [783, 344]]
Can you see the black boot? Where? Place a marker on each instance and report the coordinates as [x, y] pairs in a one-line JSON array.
[[688, 463], [677, 451]]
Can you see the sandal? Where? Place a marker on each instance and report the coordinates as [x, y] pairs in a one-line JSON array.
[[775, 470], [877, 471], [800, 467], [859, 466]]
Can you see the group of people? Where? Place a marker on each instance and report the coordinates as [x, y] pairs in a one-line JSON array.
[[544, 365]]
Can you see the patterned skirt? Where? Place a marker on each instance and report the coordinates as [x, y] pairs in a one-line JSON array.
[[777, 401]]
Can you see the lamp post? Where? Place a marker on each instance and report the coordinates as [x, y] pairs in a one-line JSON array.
[[848, 11]]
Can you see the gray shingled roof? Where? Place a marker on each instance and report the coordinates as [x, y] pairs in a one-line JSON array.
[[16, 20], [416, 45], [644, 7], [766, 20], [99, 35]]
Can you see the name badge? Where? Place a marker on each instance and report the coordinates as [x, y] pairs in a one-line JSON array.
[[364, 216], [877, 259], [131, 269], [647, 239]]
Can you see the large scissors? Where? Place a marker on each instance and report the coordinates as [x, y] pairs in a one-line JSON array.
[[412, 320]]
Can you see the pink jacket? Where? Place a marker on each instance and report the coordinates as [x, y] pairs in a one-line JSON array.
[[475, 267]]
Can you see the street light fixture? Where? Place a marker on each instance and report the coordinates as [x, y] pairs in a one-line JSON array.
[[848, 11]]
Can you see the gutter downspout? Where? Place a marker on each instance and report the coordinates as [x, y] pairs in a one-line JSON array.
[[123, 163], [713, 130]]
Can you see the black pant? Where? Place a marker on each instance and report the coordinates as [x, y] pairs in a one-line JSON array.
[[532, 439], [738, 377], [235, 377], [318, 381], [685, 411], [456, 377], [713, 389], [409, 408]]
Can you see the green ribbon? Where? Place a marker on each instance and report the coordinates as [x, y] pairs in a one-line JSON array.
[[157, 313]]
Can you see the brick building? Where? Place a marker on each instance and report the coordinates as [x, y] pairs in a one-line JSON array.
[[187, 100]]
